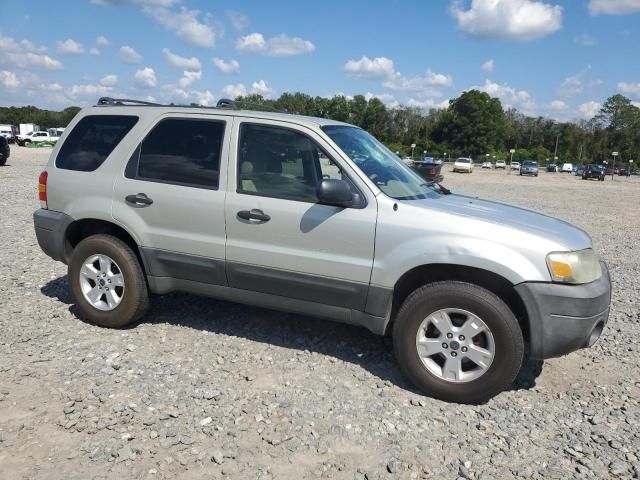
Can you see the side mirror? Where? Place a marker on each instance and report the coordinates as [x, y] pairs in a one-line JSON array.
[[335, 192]]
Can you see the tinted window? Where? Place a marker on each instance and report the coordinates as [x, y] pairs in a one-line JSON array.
[[277, 162], [183, 152], [92, 140]]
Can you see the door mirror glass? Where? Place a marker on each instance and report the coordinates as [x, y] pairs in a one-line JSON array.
[[335, 192]]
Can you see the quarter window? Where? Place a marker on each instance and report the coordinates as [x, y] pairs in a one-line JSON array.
[[183, 152], [279, 162], [92, 140]]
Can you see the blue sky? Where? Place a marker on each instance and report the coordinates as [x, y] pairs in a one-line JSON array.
[[560, 58]]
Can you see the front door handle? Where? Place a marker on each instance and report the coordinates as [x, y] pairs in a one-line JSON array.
[[139, 200], [254, 214]]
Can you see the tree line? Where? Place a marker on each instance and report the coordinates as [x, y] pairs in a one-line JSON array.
[[474, 125]]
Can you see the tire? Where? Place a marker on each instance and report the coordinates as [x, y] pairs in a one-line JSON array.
[[508, 343], [134, 300], [3, 161]]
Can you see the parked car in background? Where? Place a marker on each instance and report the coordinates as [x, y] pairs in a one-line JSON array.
[[501, 164], [487, 165], [463, 165], [429, 169], [579, 170], [24, 129], [529, 167], [515, 165], [593, 171], [552, 168], [353, 235], [5, 150], [567, 168], [624, 172], [35, 137], [55, 133]]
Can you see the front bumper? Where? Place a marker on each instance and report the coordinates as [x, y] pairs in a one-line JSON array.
[[564, 318], [50, 231]]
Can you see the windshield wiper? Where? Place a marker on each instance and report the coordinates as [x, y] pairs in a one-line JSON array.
[[444, 190]]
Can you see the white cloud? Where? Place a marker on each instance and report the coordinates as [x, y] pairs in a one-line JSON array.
[[9, 79], [109, 80], [8, 44], [88, 91], [232, 66], [186, 25], [129, 55], [632, 89], [189, 77], [508, 19], [94, 51], [51, 87], [379, 67], [238, 20], [585, 40], [386, 98], [69, 47], [428, 103], [32, 60], [418, 83], [574, 85], [280, 46], [182, 62], [613, 7], [179, 95], [144, 78], [487, 66], [261, 88], [233, 91], [589, 110], [510, 96], [102, 41], [558, 106]]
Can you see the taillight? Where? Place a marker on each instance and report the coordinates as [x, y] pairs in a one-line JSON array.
[[42, 189]]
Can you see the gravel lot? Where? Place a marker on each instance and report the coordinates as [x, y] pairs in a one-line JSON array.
[[208, 389]]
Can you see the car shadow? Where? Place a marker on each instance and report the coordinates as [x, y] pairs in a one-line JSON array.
[[348, 343]]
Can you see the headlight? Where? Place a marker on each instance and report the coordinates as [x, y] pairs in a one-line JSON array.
[[582, 266]]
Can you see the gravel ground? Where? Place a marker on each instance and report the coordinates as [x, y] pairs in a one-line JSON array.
[[208, 389]]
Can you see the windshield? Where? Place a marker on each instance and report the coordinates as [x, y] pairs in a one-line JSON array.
[[530, 164], [378, 163], [463, 160]]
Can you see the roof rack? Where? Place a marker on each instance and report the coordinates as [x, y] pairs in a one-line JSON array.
[[223, 104], [123, 101]]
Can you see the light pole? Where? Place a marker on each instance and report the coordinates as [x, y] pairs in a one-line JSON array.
[[630, 168], [445, 157], [512, 151], [613, 167], [487, 155], [413, 147]]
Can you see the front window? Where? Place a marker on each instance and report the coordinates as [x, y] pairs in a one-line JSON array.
[[530, 164], [463, 160], [378, 163]]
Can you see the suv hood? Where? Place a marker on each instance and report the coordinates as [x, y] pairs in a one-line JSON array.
[[511, 216]]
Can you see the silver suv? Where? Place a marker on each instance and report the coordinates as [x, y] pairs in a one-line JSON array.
[[313, 216]]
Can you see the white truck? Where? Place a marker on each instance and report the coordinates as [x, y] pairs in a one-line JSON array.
[[25, 129], [55, 133], [8, 131]]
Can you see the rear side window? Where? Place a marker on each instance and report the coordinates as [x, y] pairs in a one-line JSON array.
[[182, 152], [92, 140]]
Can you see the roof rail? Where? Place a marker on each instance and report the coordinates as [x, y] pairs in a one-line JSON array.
[[227, 104], [122, 101]]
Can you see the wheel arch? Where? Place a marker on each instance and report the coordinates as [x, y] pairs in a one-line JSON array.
[[78, 230], [436, 272]]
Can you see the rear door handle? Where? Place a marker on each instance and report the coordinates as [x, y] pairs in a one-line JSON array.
[[254, 214], [139, 200]]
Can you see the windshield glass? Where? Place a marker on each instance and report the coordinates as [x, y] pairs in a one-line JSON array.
[[530, 164], [378, 163], [463, 160]]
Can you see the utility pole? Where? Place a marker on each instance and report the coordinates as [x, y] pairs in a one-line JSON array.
[[555, 152]]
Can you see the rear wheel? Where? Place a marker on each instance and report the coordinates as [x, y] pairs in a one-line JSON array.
[[107, 282], [458, 342]]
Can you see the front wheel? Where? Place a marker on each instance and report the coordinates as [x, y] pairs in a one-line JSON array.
[[107, 282], [458, 342]]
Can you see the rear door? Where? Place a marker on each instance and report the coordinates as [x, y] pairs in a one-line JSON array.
[[294, 246], [172, 196]]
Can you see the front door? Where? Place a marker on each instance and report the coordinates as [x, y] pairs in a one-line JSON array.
[[280, 240], [172, 196]]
